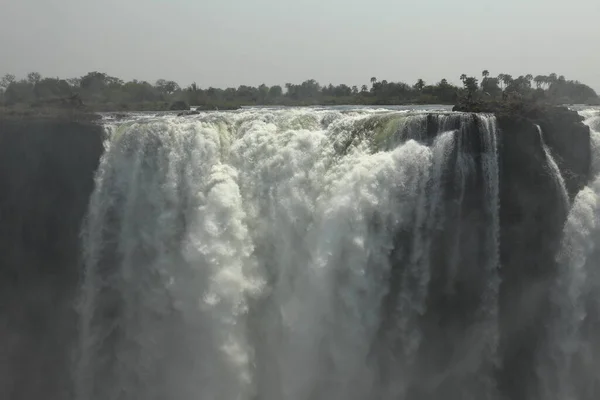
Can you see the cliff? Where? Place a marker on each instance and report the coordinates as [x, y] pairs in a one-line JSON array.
[[532, 217], [47, 164]]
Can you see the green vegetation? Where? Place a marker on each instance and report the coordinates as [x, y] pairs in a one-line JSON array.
[[98, 91]]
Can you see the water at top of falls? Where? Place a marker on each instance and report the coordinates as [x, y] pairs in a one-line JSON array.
[[248, 255], [555, 171]]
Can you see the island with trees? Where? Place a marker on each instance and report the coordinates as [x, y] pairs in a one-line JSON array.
[[98, 91]]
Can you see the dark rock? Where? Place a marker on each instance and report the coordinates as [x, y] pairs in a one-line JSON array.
[[532, 216], [564, 133], [46, 177]]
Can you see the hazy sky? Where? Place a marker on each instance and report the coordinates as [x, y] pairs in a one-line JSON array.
[[231, 42]]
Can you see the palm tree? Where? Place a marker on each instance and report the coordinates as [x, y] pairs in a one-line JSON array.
[[420, 85], [444, 82], [501, 80], [471, 86], [34, 77], [364, 88], [463, 77], [373, 80], [507, 79], [545, 80], [485, 73]]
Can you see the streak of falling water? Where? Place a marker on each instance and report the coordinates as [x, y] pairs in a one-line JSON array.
[[555, 171]]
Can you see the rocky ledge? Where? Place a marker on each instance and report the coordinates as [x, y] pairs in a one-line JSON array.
[[563, 131]]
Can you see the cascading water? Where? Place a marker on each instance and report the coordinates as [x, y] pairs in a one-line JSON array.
[[555, 171], [569, 364], [592, 119], [287, 254]]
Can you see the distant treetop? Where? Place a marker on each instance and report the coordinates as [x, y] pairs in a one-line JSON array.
[[102, 92]]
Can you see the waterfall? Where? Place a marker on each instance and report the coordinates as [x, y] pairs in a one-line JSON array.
[[555, 171], [289, 254]]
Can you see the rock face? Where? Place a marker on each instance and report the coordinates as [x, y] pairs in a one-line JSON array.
[[46, 177], [563, 129], [532, 217], [531, 220]]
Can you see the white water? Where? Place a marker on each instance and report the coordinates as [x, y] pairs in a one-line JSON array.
[[555, 171], [238, 256], [569, 370]]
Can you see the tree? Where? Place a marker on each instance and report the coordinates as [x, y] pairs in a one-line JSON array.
[[507, 79], [547, 81], [471, 84], [490, 86], [7, 80], [485, 73], [275, 92], [106, 92], [51, 88], [34, 77], [263, 93], [529, 77], [500, 78], [166, 86], [539, 81], [19, 92], [420, 85]]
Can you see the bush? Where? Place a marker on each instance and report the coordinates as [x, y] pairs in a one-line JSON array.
[[179, 105]]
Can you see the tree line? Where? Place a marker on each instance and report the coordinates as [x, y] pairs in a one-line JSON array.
[[102, 92]]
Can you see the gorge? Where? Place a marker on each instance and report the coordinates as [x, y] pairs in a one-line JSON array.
[[301, 254]]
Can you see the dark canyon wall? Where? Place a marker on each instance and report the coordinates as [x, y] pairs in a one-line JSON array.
[[46, 177], [532, 216]]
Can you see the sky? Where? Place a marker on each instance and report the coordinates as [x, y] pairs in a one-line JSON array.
[[227, 43]]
